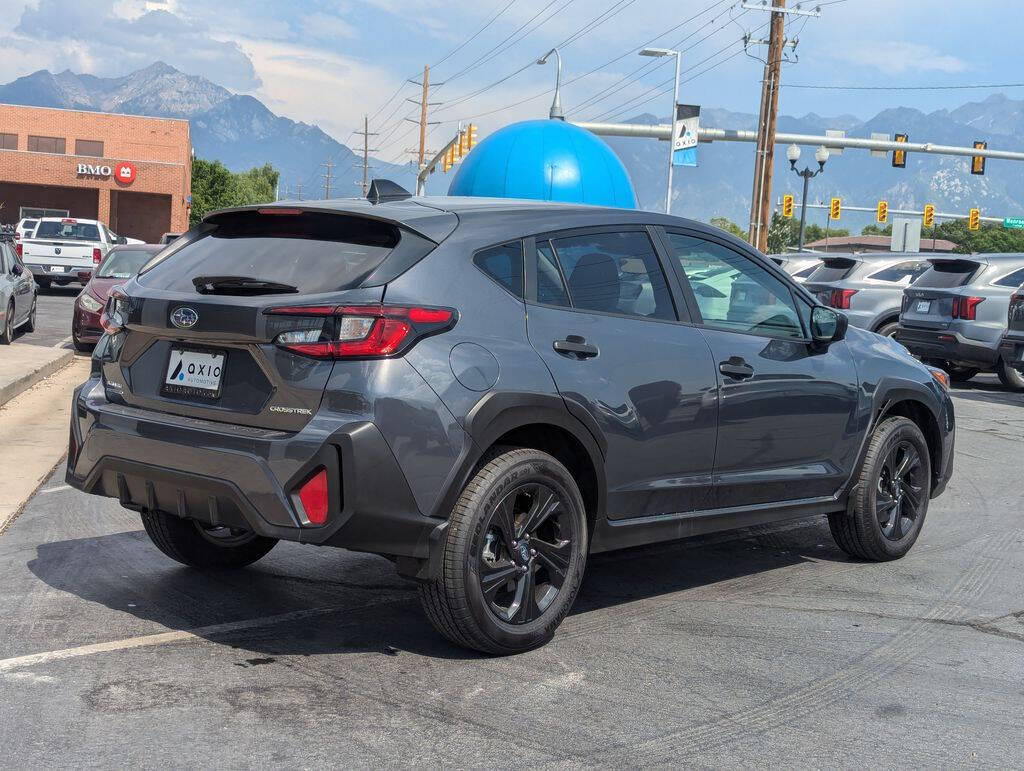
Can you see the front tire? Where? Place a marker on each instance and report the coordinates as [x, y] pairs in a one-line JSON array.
[[1010, 377], [203, 546], [890, 499], [513, 557], [7, 332]]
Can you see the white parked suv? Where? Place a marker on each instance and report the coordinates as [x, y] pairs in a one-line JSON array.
[[60, 247]]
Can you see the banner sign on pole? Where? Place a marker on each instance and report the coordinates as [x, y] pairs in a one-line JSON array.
[[684, 135]]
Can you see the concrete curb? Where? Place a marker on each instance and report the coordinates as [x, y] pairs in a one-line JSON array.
[[40, 367]]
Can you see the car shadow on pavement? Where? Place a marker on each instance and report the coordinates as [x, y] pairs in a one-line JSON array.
[[988, 392], [340, 602]]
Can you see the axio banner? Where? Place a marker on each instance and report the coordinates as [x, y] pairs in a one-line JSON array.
[[684, 135]]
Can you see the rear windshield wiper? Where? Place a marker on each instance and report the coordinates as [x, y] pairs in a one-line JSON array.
[[240, 285]]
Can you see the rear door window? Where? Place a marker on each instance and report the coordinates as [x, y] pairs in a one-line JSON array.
[[832, 269], [1012, 280], [612, 273], [946, 275], [905, 272], [504, 264], [311, 252]]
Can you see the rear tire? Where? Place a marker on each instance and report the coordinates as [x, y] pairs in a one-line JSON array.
[[960, 374], [30, 324], [888, 330], [82, 347], [192, 544], [44, 283], [1010, 377], [885, 490], [513, 557], [7, 331]]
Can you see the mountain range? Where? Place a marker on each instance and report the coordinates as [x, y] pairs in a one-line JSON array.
[[242, 132]]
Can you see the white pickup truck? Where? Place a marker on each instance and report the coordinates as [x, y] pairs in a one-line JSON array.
[[61, 247]]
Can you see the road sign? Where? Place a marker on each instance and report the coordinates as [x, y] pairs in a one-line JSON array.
[[974, 220], [787, 206], [899, 157], [835, 208], [929, 215], [1013, 223], [882, 212]]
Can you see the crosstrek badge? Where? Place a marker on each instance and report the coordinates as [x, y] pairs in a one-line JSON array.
[[124, 172]]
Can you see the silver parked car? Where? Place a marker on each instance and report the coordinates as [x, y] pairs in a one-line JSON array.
[[956, 313], [1011, 349], [797, 264], [868, 288], [17, 295]]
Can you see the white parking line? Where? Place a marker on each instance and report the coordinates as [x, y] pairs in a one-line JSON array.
[[20, 662], [63, 342], [58, 488]]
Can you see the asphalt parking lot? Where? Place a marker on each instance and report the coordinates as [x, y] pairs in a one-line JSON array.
[[53, 317], [765, 647]]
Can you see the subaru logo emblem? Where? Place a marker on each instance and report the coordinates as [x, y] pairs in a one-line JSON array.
[[184, 318], [56, 250]]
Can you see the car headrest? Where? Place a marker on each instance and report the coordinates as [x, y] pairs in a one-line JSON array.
[[594, 283]]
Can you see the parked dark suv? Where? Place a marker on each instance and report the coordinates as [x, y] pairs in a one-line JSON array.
[[487, 391]]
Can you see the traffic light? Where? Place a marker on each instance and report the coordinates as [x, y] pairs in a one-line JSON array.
[[787, 206], [463, 143], [978, 161], [882, 214], [470, 136], [835, 209], [457, 147], [974, 220], [899, 157], [929, 215]]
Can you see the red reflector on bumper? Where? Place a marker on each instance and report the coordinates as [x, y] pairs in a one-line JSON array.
[[313, 495]]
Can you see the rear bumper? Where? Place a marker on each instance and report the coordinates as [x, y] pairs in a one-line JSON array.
[[1011, 350], [948, 345], [235, 476], [59, 276]]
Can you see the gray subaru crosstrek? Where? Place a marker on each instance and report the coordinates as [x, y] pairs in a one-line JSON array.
[[955, 314], [488, 391]]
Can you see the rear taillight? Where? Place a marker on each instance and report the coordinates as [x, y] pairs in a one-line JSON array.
[[20, 249], [313, 495], [96, 255], [355, 331], [966, 308], [115, 312], [840, 298]]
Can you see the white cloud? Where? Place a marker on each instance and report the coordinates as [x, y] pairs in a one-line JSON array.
[[900, 57]]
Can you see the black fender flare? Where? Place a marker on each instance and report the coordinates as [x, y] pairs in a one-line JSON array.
[[499, 412]]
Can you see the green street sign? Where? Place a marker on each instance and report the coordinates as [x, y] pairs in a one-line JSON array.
[[1013, 223]]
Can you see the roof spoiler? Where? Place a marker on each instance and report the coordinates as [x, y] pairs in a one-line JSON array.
[[385, 190]]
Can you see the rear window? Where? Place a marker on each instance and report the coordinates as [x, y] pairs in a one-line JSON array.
[[29, 224], [312, 252], [68, 231], [123, 263], [905, 272], [834, 269], [806, 272], [1012, 280], [943, 275]]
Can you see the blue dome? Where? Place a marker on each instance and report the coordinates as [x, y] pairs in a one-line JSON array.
[[549, 160]]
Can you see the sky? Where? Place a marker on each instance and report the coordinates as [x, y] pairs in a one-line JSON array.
[[330, 62]]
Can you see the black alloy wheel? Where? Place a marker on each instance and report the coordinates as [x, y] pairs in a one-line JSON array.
[[524, 559], [899, 490]]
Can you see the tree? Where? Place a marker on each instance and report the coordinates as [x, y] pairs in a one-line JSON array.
[[875, 230], [724, 223], [991, 237], [782, 232], [214, 186]]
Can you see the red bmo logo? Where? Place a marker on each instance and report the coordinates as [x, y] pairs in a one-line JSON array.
[[124, 172]]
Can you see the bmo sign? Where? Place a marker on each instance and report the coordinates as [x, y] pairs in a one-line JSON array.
[[123, 173]]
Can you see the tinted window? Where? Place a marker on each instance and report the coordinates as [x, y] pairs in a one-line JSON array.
[[505, 265], [806, 271], [313, 252], [733, 292], [93, 147], [943, 275], [123, 263], [835, 269], [905, 272], [550, 284], [8, 141], [46, 144], [614, 273], [1013, 280], [68, 231], [28, 224]]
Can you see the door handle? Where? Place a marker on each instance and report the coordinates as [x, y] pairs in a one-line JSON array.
[[575, 346], [736, 368]]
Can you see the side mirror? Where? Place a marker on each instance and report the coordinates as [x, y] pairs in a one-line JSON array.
[[17, 270], [827, 326]]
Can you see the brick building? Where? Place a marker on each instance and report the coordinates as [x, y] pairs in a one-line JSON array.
[[131, 172]]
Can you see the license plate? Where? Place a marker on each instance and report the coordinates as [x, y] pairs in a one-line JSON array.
[[194, 372], [923, 306]]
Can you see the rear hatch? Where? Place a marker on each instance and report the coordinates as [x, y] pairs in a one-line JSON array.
[[200, 339], [929, 302], [827, 276], [65, 244]]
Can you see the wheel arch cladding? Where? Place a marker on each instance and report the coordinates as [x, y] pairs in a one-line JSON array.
[[923, 417]]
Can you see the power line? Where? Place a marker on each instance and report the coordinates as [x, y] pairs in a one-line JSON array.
[[472, 37], [902, 88]]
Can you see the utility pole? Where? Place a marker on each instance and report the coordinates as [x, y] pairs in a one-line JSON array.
[[327, 178], [366, 134], [298, 193], [760, 203], [424, 103]]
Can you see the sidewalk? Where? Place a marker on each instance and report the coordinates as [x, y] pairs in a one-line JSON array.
[[34, 431], [22, 366]]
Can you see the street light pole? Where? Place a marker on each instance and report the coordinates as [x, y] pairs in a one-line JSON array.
[[821, 156], [672, 115], [556, 103]]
